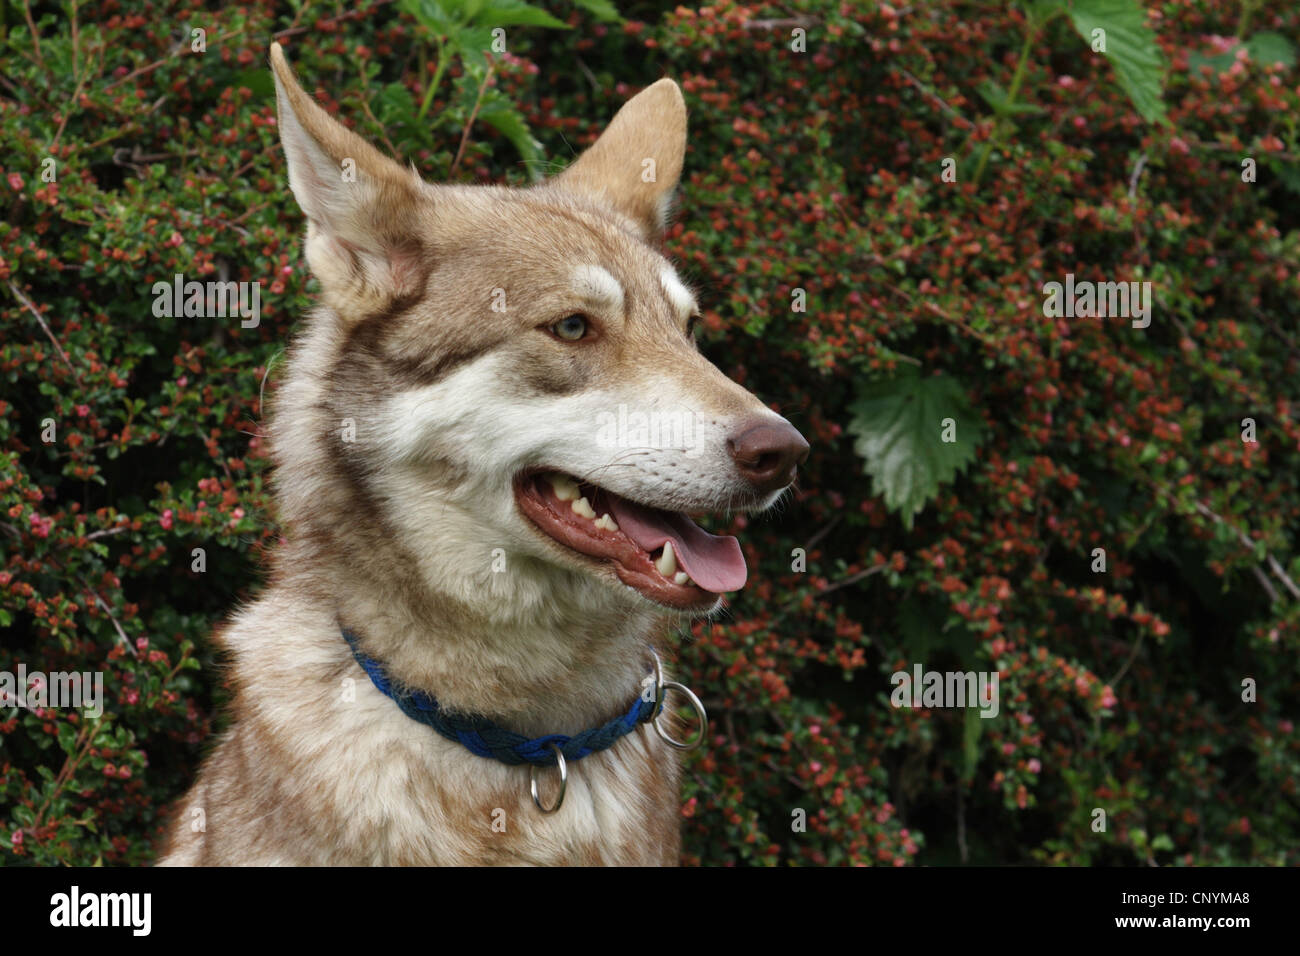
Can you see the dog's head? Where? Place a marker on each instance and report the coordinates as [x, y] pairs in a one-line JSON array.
[[518, 369]]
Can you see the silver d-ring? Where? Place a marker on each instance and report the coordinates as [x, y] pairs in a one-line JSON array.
[[659, 684], [699, 712], [564, 782]]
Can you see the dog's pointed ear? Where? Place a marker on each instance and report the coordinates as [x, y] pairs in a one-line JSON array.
[[362, 237], [635, 164]]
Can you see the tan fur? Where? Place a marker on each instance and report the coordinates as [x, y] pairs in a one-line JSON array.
[[393, 533]]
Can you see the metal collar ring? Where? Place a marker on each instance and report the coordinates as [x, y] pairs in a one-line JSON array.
[[564, 782]]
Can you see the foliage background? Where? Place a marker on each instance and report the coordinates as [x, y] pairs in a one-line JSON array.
[[816, 170]]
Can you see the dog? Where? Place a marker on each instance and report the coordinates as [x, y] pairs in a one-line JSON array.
[[480, 522]]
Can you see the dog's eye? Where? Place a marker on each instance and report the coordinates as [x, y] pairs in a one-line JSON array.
[[570, 328]]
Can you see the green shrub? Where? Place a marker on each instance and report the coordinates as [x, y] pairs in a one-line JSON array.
[[821, 171]]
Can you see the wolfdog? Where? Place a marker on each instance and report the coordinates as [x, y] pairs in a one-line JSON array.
[[455, 660]]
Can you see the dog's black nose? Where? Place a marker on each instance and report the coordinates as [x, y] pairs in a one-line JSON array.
[[767, 453]]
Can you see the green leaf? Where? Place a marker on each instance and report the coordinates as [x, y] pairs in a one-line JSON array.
[[394, 103], [1130, 47], [67, 737], [430, 15], [602, 10], [465, 10], [1218, 63], [473, 43], [1264, 48], [1269, 48], [1038, 12], [900, 424], [515, 13], [499, 113], [996, 97]]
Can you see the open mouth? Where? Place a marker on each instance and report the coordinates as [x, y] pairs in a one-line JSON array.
[[663, 555]]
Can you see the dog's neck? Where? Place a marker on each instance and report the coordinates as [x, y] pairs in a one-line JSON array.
[[559, 669]]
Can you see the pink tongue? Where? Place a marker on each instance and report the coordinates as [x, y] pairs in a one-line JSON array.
[[714, 562]]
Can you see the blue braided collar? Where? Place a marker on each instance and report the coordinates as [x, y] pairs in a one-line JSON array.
[[486, 739]]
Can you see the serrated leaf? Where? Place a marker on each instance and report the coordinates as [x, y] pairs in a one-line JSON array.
[[394, 104], [996, 97], [1131, 48], [1218, 63], [431, 15], [501, 115], [67, 737], [515, 13], [1039, 12], [473, 43], [1265, 48], [602, 10], [464, 10], [1269, 48], [899, 424]]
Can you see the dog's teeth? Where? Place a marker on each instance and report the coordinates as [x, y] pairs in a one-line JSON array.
[[582, 507], [566, 489], [607, 523], [681, 577], [667, 563]]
